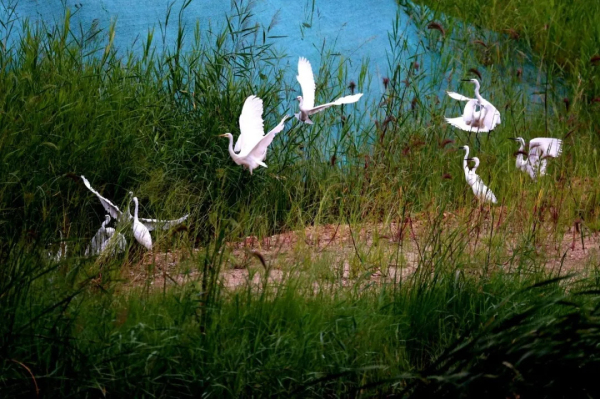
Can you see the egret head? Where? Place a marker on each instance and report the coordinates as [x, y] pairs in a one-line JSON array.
[[474, 81], [228, 135], [518, 139], [474, 159], [299, 98], [464, 147]]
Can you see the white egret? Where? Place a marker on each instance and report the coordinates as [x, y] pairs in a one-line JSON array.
[[307, 100], [539, 149], [116, 213], [102, 239], [140, 231], [479, 115], [252, 144], [481, 191]]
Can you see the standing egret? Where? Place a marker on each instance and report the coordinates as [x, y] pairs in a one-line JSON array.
[[252, 143], [307, 100], [115, 212], [481, 191], [539, 149], [140, 231], [479, 115], [95, 247], [102, 239]]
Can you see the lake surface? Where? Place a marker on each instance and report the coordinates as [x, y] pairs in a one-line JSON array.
[[356, 32]]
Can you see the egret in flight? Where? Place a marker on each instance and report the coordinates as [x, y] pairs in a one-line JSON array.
[[307, 100], [539, 149], [102, 239], [251, 147], [479, 115], [120, 216], [481, 191]]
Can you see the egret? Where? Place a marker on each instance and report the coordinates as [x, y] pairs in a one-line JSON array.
[[479, 115], [307, 100], [252, 144], [539, 149], [101, 240], [140, 231], [116, 213], [481, 191]]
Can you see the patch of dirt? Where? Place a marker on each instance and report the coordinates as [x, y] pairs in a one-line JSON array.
[[370, 253]]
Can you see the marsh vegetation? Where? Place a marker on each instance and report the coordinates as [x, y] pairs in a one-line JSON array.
[[368, 269]]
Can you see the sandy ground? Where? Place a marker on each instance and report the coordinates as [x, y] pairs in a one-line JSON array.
[[370, 253]]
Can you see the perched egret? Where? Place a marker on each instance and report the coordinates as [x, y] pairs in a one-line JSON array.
[[307, 100], [479, 115], [481, 191], [140, 231], [539, 149], [115, 212], [102, 239], [251, 147]]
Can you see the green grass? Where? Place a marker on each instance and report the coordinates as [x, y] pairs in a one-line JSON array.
[[480, 322]]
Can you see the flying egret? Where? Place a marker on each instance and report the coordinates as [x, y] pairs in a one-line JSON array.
[[140, 231], [479, 115], [252, 143], [481, 191], [116, 213], [307, 100], [102, 239], [539, 149]]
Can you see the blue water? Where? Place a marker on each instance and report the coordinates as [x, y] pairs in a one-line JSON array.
[[355, 31]]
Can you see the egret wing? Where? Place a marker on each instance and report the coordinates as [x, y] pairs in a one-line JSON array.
[[465, 122], [549, 147], [251, 125], [111, 208], [307, 82], [469, 112], [492, 116], [342, 100], [457, 96], [259, 152], [154, 224]]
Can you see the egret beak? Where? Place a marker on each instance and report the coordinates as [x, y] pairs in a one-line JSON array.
[[513, 139], [465, 80], [462, 148], [469, 159], [222, 135]]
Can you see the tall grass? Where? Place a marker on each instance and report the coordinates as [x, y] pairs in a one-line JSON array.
[[148, 122]]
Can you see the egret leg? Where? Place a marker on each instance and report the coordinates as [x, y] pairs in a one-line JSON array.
[[478, 142]]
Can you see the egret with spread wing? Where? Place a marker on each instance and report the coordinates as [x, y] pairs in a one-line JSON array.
[[307, 100], [540, 149], [481, 191], [479, 115], [102, 240], [116, 213], [251, 147]]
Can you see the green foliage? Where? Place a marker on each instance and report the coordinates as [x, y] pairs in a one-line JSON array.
[[72, 106]]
